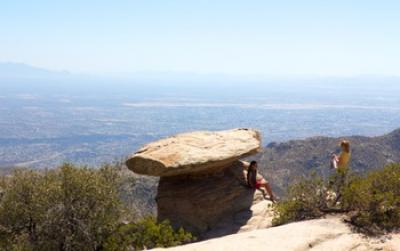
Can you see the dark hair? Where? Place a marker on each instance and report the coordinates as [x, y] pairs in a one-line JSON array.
[[252, 175]]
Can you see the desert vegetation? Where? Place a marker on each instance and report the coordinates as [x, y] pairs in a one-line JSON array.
[[82, 208], [371, 200], [76, 208]]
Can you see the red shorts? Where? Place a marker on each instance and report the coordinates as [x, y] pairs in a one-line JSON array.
[[258, 184]]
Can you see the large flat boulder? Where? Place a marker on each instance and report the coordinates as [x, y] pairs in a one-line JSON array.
[[195, 152]]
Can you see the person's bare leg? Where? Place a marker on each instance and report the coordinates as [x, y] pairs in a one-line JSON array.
[[269, 191], [264, 193]]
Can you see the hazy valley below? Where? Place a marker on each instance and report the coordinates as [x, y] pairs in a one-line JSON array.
[[87, 125], [47, 118]]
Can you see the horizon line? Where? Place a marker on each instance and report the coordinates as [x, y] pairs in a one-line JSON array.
[[150, 73]]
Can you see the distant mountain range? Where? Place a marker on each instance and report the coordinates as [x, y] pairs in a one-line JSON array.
[[9, 70], [283, 163], [15, 70]]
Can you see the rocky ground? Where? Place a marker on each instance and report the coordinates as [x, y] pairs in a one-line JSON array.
[[329, 234]]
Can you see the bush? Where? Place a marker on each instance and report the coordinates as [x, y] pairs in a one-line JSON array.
[[147, 233], [372, 200], [303, 201], [70, 208], [375, 200]]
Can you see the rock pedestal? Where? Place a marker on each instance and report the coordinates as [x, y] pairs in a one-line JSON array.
[[202, 187]]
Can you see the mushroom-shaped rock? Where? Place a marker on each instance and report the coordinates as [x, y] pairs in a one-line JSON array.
[[194, 152]]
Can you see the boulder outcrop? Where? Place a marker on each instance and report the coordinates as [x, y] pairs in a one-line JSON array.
[[194, 152], [213, 205], [202, 184]]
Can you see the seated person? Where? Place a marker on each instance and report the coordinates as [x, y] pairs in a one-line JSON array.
[[257, 182]]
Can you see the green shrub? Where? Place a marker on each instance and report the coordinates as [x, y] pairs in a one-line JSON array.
[[303, 201], [147, 233], [375, 200], [73, 208], [372, 200], [67, 208]]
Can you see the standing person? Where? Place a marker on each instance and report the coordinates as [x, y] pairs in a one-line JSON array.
[[256, 182], [342, 161], [341, 165]]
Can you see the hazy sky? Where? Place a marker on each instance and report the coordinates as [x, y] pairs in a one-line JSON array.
[[304, 37]]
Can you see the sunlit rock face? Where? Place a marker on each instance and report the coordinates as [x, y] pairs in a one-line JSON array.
[[194, 152]]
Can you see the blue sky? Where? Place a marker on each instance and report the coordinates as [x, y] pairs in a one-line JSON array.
[[270, 38]]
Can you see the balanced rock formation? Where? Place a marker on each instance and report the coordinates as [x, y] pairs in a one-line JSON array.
[[202, 185], [194, 152]]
